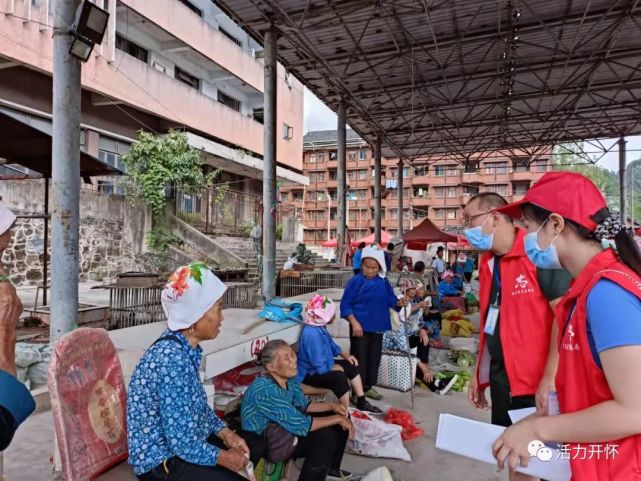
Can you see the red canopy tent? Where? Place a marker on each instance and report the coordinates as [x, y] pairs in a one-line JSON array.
[[461, 245], [370, 239], [426, 233]]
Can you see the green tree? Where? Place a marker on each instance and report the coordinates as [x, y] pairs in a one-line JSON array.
[[155, 163], [566, 158]]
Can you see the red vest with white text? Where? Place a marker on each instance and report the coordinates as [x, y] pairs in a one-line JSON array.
[[581, 383], [525, 320]]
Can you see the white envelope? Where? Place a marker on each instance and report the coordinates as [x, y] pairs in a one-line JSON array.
[[474, 439], [517, 414]]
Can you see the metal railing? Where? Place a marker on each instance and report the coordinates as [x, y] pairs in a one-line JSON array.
[[137, 306], [304, 282], [219, 211]]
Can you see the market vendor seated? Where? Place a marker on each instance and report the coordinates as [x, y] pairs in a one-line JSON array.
[[173, 433], [447, 287]]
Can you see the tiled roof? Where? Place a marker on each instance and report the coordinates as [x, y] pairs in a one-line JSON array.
[[329, 137]]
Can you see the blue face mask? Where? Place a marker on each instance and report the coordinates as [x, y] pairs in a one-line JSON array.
[[546, 258], [478, 239]]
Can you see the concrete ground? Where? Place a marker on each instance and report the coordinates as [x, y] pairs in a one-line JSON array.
[[28, 458]]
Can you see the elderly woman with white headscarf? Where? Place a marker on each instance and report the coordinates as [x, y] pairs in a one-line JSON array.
[[366, 305], [16, 402], [173, 434]]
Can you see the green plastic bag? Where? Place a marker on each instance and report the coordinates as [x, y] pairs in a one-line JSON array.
[[266, 471]]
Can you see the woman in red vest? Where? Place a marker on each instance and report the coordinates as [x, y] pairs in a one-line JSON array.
[[599, 375]]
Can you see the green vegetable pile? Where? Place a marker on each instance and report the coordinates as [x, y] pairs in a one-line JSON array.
[[471, 299], [463, 358], [462, 381]]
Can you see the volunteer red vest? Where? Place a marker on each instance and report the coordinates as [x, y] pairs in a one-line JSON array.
[[581, 383], [525, 320]]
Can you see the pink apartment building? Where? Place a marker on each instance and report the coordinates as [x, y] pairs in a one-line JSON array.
[[163, 64]]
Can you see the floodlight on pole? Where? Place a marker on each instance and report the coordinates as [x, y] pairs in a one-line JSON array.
[[88, 29]]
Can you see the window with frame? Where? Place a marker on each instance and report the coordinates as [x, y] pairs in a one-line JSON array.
[[439, 170], [471, 168], [501, 168], [500, 189], [351, 155], [297, 195], [451, 214], [520, 166], [520, 188], [362, 174], [391, 214], [228, 101], [421, 193], [540, 166], [333, 155], [452, 171], [406, 172], [362, 154], [321, 157], [420, 171], [333, 175], [188, 79], [420, 213], [470, 190], [230, 36], [111, 185], [288, 132], [452, 192], [311, 159], [439, 213], [439, 192], [393, 171], [192, 7], [132, 48], [351, 175], [361, 194]]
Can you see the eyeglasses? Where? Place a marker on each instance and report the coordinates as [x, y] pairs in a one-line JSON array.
[[467, 221]]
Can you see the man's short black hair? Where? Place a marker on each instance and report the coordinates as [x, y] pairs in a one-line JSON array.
[[390, 247], [440, 249], [419, 266], [489, 200], [361, 245]]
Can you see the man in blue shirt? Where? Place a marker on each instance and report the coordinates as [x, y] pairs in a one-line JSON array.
[[358, 255]]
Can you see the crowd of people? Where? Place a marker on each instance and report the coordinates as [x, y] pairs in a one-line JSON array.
[[559, 320]]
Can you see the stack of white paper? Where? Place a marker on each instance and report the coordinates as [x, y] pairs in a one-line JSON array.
[[474, 439]]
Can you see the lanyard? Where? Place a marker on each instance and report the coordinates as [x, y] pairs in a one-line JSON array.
[[496, 277]]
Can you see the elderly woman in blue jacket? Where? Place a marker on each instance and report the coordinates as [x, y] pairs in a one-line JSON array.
[[173, 434], [366, 302]]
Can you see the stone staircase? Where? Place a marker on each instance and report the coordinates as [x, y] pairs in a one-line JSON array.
[[243, 248]]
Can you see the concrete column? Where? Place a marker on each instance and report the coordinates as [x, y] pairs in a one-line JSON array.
[[65, 177], [400, 199], [269, 158], [377, 190], [624, 219], [341, 177]]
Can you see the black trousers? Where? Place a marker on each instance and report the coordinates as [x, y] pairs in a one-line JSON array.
[[335, 381], [502, 402], [322, 449], [7, 428], [180, 470], [423, 354], [468, 276], [368, 350]]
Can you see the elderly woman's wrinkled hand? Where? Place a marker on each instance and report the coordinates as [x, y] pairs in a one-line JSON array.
[[232, 459], [234, 441], [339, 409], [402, 302]]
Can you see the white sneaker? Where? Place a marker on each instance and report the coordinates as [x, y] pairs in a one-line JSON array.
[[445, 389]]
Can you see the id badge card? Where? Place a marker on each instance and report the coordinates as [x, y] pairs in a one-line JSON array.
[[492, 319]]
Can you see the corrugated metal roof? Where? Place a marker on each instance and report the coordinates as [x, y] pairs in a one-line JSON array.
[[460, 76]]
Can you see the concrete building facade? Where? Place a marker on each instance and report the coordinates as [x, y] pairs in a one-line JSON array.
[[163, 64], [434, 187]]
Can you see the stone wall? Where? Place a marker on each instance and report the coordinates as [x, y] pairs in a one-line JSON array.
[[112, 233]]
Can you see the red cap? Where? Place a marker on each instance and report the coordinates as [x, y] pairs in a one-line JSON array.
[[568, 194]]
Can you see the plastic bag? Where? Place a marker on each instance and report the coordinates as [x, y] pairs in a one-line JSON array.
[[469, 344], [379, 474], [236, 381], [280, 311], [404, 419], [375, 438], [27, 354]]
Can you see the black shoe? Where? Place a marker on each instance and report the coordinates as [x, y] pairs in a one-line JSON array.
[[340, 474], [443, 386], [367, 407]]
